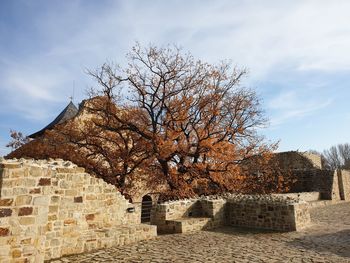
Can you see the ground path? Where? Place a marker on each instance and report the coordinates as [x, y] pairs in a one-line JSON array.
[[327, 240]]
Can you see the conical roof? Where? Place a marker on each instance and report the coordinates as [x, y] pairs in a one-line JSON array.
[[68, 113]]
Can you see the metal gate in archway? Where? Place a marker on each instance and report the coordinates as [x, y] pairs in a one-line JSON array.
[[146, 208]]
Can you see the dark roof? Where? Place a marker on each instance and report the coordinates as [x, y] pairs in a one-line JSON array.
[[68, 113]]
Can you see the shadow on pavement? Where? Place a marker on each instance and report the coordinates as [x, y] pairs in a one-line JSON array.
[[243, 231], [337, 242]]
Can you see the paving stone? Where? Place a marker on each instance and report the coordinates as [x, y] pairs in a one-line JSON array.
[[327, 240]]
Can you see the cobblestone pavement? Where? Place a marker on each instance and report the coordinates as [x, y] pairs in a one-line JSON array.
[[327, 240]]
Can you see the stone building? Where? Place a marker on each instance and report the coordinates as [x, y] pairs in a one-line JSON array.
[[69, 112]]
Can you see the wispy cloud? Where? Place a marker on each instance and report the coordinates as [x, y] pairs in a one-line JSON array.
[[292, 105]]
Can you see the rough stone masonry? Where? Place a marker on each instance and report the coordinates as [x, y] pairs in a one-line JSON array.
[[53, 208]]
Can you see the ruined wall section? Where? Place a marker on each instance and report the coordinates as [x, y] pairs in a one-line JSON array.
[[281, 213], [344, 184], [299, 160], [53, 208], [315, 180]]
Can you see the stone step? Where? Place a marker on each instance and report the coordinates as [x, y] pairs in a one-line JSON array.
[[188, 224], [319, 203], [117, 236]]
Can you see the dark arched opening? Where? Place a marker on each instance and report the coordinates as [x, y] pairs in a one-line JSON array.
[[146, 208]]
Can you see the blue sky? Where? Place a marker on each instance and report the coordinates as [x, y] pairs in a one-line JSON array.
[[297, 54]]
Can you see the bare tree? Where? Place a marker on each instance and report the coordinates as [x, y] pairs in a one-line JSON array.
[[337, 157], [18, 139]]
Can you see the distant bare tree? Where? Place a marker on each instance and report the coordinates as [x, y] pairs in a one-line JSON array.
[[337, 156], [18, 139]]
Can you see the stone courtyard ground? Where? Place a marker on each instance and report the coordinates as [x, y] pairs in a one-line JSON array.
[[327, 240]]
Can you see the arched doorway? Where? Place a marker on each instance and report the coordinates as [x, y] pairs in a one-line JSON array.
[[146, 207]]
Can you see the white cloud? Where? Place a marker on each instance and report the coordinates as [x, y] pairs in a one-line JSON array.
[[294, 105], [264, 36]]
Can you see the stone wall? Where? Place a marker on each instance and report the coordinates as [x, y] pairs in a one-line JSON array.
[[344, 184], [316, 180], [162, 214], [268, 214], [299, 160], [53, 208], [307, 169], [303, 196], [282, 213]]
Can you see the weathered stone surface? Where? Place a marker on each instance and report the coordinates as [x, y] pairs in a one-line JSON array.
[[44, 181], [78, 199], [35, 191], [4, 231], [10, 165], [41, 200], [69, 221], [27, 220], [90, 217], [23, 200], [43, 212], [16, 253], [6, 202], [4, 212], [24, 211]]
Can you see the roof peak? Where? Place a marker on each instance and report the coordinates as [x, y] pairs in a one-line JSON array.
[[69, 112]]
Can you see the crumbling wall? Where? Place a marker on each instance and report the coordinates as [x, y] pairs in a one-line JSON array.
[[303, 196], [299, 160], [53, 208], [316, 180], [344, 184]]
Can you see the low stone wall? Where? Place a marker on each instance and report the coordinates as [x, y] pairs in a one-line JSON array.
[[303, 196], [282, 213], [53, 208], [216, 210], [268, 213], [161, 214]]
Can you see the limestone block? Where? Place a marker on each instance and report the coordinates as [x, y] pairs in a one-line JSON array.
[[6, 192], [5, 212], [70, 192], [35, 191], [20, 191], [17, 173], [5, 250], [35, 171], [55, 199], [29, 182], [41, 200], [64, 184], [4, 231], [16, 253], [6, 202], [27, 220], [24, 211]]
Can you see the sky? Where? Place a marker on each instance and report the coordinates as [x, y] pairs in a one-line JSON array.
[[297, 54]]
